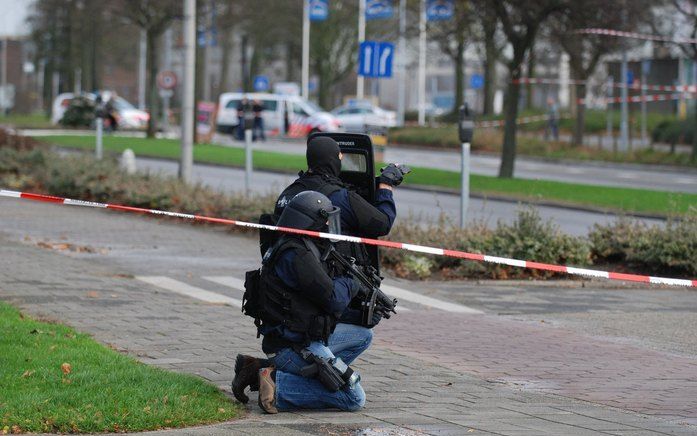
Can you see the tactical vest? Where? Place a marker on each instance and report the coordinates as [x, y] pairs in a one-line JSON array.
[[318, 183], [282, 306]]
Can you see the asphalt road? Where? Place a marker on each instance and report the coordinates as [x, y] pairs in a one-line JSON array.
[[629, 176], [427, 207]]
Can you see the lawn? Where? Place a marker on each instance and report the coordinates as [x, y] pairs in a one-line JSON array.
[[26, 121], [55, 379], [610, 198]]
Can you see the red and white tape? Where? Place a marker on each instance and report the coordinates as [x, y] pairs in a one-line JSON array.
[[637, 87], [389, 244], [611, 32], [640, 98], [518, 121]]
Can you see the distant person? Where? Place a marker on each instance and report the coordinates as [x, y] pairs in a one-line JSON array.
[[552, 120], [258, 129], [242, 108], [111, 112]]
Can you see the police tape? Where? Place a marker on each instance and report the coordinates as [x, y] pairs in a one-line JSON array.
[[640, 98], [633, 86], [634, 35], [376, 242]]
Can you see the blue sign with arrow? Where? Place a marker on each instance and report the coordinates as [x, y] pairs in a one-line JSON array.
[[319, 10], [375, 59], [261, 83], [378, 9], [439, 10]]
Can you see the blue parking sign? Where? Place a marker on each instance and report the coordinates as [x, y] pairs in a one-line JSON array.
[[319, 10], [476, 81], [375, 59], [378, 9], [261, 83], [439, 10]]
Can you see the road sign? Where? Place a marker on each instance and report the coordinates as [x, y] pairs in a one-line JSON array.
[[630, 77], [319, 10], [167, 79], [375, 59], [476, 81], [439, 10], [378, 9], [261, 83]]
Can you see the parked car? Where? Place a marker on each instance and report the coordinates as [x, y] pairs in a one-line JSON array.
[[283, 114], [128, 116], [357, 116]]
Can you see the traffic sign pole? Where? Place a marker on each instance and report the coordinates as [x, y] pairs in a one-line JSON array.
[[306, 50], [422, 64], [361, 38]]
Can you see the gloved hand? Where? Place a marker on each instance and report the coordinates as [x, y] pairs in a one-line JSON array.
[[393, 174], [358, 289], [375, 320]]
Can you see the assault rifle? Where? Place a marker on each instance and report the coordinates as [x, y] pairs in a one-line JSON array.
[[374, 300]]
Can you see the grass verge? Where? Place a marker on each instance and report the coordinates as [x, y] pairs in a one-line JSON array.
[[610, 198], [55, 379], [27, 121]]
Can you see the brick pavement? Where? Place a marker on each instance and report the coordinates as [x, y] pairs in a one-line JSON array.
[[411, 388]]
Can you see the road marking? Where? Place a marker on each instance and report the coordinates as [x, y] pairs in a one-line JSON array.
[[229, 281], [403, 294], [190, 291]]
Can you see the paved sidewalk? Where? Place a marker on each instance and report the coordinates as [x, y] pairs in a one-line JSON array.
[[429, 372]]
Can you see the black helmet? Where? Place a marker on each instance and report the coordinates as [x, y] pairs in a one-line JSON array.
[[310, 210]]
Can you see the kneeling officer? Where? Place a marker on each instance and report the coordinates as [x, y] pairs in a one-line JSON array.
[[299, 311]]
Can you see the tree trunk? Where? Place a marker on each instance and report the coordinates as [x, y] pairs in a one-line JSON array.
[[694, 140], [151, 66], [226, 48], [323, 91], [491, 56], [511, 113], [529, 88], [459, 76], [580, 127]]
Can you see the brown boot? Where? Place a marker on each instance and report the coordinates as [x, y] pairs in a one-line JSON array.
[[246, 375], [267, 390]]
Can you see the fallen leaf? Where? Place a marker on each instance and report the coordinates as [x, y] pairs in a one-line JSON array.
[[52, 347], [27, 373], [146, 409], [66, 368], [221, 410], [93, 294], [5, 429], [16, 429], [66, 381], [471, 430]]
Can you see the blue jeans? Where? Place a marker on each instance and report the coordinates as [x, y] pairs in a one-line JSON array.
[[294, 391]]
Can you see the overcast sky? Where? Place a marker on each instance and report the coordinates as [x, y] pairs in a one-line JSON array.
[[13, 18]]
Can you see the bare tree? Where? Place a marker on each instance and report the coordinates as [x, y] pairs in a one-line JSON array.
[[688, 12], [586, 51], [153, 17], [520, 21], [452, 37]]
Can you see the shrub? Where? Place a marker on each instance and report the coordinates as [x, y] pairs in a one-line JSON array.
[[528, 238], [80, 113], [666, 250]]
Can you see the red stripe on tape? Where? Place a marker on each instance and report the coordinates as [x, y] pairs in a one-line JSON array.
[[39, 197], [629, 277], [546, 266]]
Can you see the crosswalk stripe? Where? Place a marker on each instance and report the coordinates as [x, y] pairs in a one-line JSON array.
[[403, 294], [190, 291], [229, 281]]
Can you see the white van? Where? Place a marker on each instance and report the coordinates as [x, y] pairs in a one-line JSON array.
[[288, 115]]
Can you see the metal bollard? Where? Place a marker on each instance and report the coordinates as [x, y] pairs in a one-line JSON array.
[[248, 161], [465, 132], [99, 150], [128, 161]]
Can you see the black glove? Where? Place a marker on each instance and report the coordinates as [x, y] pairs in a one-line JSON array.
[[376, 319], [393, 174], [358, 289]]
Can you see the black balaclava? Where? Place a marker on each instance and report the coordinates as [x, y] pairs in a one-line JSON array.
[[323, 156]]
